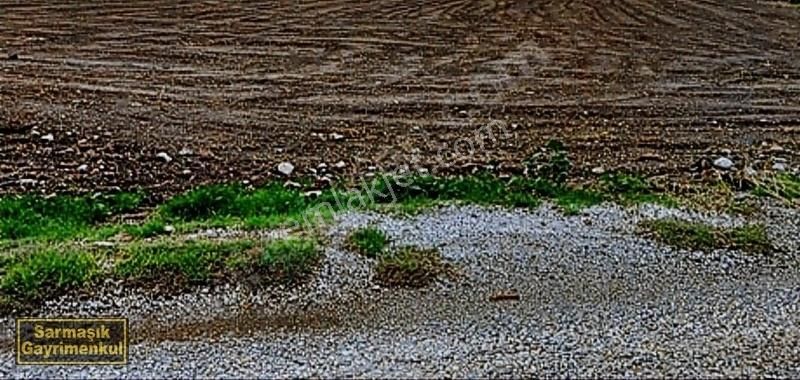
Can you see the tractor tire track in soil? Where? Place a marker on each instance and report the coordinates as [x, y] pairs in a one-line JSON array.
[[250, 84]]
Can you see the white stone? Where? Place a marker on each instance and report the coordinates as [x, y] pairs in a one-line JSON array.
[[186, 152], [598, 170], [723, 163], [169, 229], [339, 165], [164, 157], [779, 167], [336, 136], [48, 137], [286, 168], [83, 168]]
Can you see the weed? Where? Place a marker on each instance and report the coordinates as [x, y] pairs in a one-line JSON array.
[[410, 266], [702, 237], [369, 241], [551, 163]]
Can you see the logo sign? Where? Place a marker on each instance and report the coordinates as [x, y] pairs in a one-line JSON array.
[[48, 341]]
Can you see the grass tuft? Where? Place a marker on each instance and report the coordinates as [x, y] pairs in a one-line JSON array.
[[290, 259], [48, 273], [698, 236], [192, 261], [368, 241], [410, 267]]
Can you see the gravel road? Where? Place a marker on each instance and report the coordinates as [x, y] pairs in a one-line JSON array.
[[595, 299]]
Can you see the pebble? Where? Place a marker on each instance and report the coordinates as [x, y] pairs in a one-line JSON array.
[[286, 168], [163, 156], [340, 165], [723, 163], [48, 137]]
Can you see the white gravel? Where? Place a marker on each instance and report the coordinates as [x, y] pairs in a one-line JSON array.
[[596, 299]]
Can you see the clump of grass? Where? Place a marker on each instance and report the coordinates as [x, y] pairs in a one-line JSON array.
[[47, 272], [483, 189], [368, 241], [783, 186], [60, 216], [265, 207], [193, 261], [632, 189], [698, 236], [149, 229], [290, 259], [410, 267]]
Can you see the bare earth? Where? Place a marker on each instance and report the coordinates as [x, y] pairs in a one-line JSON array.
[[650, 85]]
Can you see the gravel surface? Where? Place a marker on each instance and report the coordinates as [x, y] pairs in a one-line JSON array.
[[595, 299]]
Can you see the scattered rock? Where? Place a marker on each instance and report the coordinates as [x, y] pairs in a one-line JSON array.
[[104, 244], [286, 168], [779, 167], [336, 136], [186, 152], [340, 165], [27, 181], [723, 163], [598, 170], [164, 157], [83, 168], [169, 229], [293, 184], [48, 137], [776, 149]]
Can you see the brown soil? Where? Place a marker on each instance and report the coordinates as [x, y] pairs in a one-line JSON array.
[[649, 85]]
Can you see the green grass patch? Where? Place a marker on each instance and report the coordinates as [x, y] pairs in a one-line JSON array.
[[368, 241], [629, 189], [290, 259], [783, 186], [482, 189], [410, 267], [59, 217], [193, 261], [46, 273], [151, 228], [698, 236], [234, 201]]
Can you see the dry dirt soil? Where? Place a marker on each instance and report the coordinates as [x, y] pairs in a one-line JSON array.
[[652, 85]]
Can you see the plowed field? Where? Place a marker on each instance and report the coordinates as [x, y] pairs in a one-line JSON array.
[[646, 84]]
